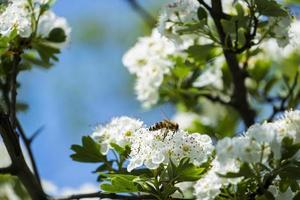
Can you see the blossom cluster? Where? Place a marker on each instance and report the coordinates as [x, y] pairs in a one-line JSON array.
[[260, 144], [119, 131], [149, 60], [28, 17], [152, 148]]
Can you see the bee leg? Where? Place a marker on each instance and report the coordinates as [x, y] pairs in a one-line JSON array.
[[165, 134]]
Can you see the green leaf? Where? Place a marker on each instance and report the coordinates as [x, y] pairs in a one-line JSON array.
[[202, 14], [185, 171], [57, 35], [240, 9], [88, 152], [288, 148], [284, 184], [118, 148], [290, 172], [120, 183], [270, 8], [46, 51], [200, 52]]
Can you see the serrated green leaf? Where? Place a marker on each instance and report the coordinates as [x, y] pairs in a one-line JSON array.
[[88, 152], [120, 183], [270, 8]]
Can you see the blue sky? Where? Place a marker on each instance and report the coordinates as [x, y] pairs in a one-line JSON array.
[[87, 87]]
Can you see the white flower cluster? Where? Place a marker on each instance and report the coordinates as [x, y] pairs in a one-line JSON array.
[[20, 15], [208, 187], [152, 148], [149, 61], [119, 131], [16, 16], [255, 146]]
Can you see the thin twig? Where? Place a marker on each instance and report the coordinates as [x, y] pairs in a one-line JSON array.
[[146, 16], [282, 107], [27, 143]]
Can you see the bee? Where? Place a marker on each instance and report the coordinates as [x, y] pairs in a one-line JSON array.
[[165, 124]]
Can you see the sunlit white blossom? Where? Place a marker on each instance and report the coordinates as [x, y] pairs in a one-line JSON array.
[[119, 131], [49, 21], [149, 61], [208, 187], [16, 16], [151, 148]]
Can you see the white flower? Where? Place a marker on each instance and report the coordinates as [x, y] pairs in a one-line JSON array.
[[208, 187], [16, 16], [243, 149], [151, 148], [119, 131], [49, 21], [149, 61]]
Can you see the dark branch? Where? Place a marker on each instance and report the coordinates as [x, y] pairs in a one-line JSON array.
[[13, 84], [239, 97], [21, 169], [103, 195], [7, 170], [147, 17], [27, 143], [111, 196]]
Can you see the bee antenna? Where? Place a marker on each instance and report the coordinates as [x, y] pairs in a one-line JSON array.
[[164, 114]]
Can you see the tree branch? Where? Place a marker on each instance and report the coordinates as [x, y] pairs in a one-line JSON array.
[[27, 143], [110, 196], [13, 89], [7, 170], [147, 17], [103, 195], [239, 97], [21, 169]]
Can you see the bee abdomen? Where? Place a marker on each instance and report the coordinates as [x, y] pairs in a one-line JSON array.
[[157, 126]]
